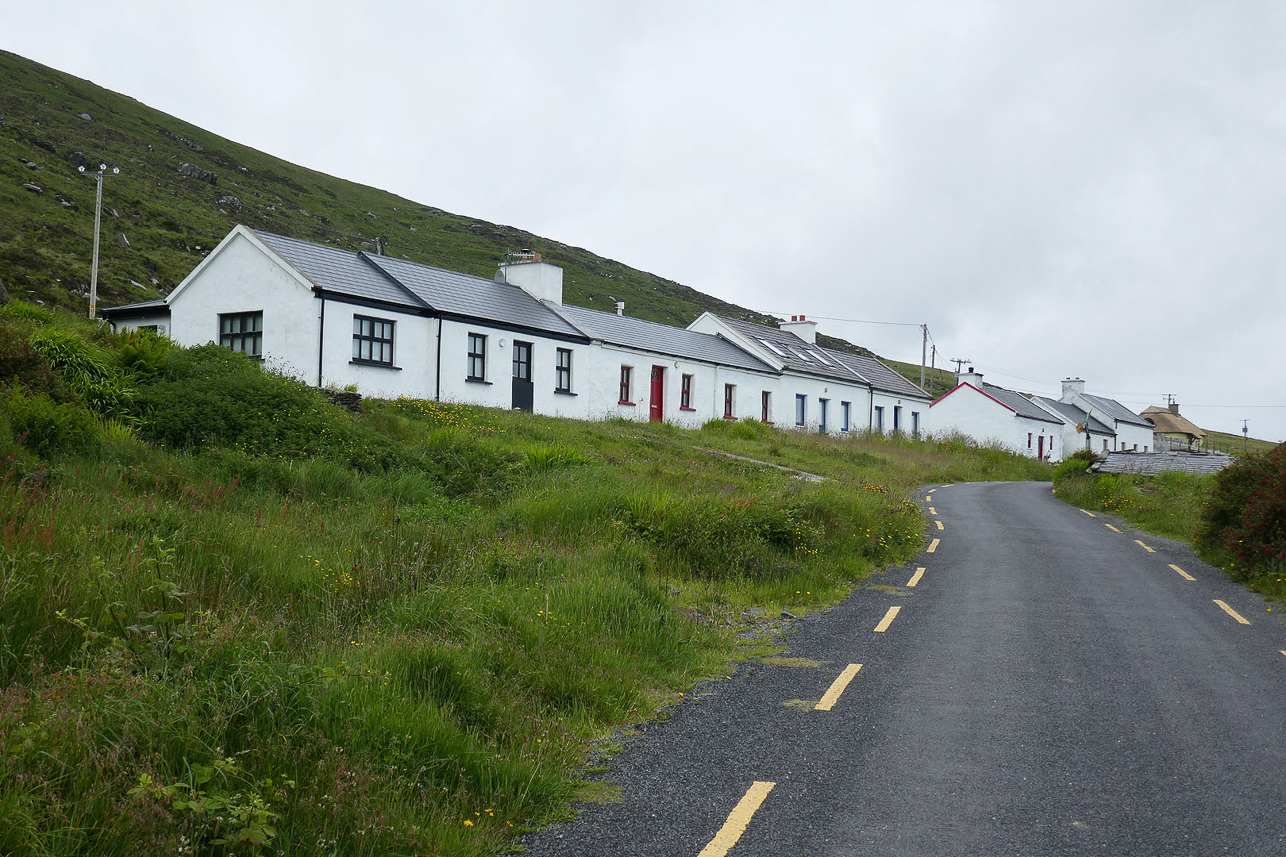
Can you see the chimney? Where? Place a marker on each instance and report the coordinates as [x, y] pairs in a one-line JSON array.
[[1174, 408], [620, 307], [971, 377], [541, 280], [1072, 389], [801, 327]]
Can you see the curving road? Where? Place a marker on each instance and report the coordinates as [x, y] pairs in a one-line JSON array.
[[1052, 684]]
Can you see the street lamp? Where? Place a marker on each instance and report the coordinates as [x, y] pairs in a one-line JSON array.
[[98, 219]]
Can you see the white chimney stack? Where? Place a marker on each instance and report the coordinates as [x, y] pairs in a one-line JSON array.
[[620, 307], [1073, 388], [801, 327], [541, 280], [972, 377]]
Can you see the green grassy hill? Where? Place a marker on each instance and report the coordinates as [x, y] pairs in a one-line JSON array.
[[181, 189]]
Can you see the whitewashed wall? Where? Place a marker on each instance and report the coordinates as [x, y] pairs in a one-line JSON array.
[[971, 412], [891, 403], [238, 278], [414, 353]]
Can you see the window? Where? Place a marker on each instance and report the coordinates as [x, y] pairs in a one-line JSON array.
[[685, 394], [845, 416], [821, 414], [477, 357], [879, 419], [897, 418], [1029, 440], [729, 401], [372, 340], [915, 423], [563, 371], [522, 360], [627, 383], [765, 406], [1105, 444], [242, 331], [801, 407]]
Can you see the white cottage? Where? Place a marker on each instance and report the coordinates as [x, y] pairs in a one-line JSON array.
[[988, 413], [821, 389], [391, 328]]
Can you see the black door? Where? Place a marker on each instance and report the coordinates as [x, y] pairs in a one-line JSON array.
[[522, 391]]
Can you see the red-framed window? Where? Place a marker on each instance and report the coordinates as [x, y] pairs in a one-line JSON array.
[[627, 385], [685, 393], [730, 401]]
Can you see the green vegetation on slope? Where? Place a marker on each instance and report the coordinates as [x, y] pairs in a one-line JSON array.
[[235, 617], [181, 189]]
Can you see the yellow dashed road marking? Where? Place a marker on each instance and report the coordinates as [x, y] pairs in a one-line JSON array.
[[737, 821], [932, 511], [931, 490], [887, 620], [939, 523], [915, 578], [1145, 547], [837, 687], [928, 499], [1233, 613], [1182, 573], [1091, 514], [1112, 528], [933, 545]]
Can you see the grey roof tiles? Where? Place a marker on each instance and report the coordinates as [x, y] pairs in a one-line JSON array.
[[1074, 415], [879, 376], [1117, 411], [341, 271], [662, 338]]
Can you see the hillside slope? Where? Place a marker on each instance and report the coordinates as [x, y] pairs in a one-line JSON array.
[[181, 189]]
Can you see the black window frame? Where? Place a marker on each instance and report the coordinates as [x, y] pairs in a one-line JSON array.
[[563, 371], [232, 338], [476, 367], [372, 340]]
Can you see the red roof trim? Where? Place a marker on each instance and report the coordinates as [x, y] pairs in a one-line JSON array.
[[976, 390]]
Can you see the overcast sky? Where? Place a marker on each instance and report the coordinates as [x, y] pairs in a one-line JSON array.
[[1056, 188]]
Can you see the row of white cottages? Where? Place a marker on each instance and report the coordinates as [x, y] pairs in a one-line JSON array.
[[1038, 426], [394, 328]]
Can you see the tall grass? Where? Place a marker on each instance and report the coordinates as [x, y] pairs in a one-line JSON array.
[[398, 640]]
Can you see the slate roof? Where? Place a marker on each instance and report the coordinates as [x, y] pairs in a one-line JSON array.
[[473, 297], [141, 308], [1073, 415], [341, 271], [879, 376], [661, 338], [1117, 411], [1157, 462], [793, 352], [1020, 404]]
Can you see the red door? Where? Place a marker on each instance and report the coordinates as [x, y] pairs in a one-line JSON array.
[[656, 411], [1040, 447]]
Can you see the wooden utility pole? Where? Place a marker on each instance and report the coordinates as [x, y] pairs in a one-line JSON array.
[[924, 352]]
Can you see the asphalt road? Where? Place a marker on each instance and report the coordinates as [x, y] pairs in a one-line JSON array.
[[1049, 686]]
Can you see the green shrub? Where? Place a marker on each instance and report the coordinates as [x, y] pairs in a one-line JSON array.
[[220, 398], [1245, 518], [144, 354], [49, 428], [85, 369], [21, 364]]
